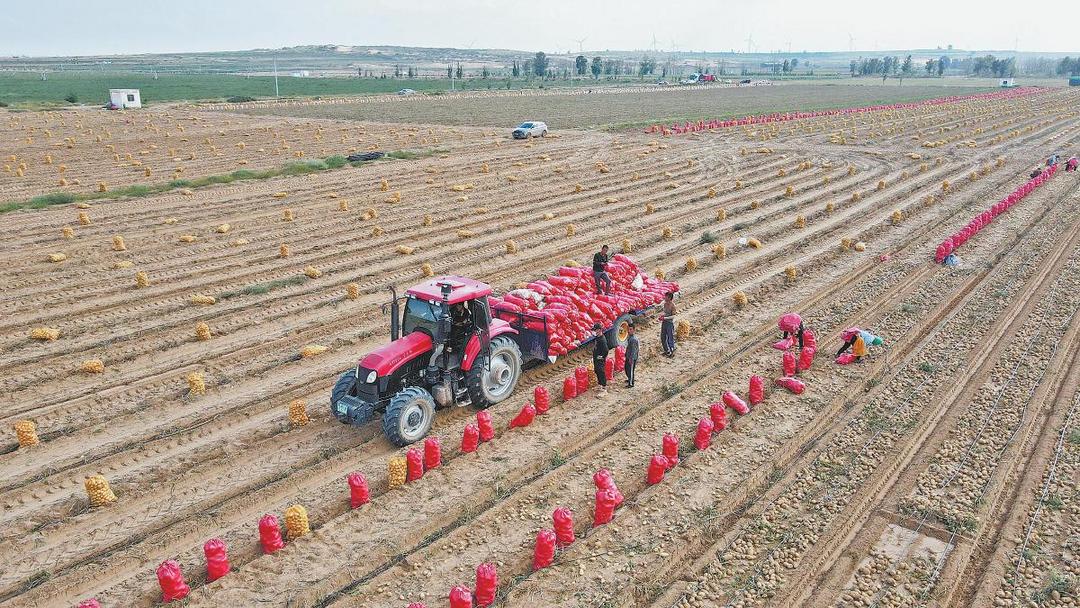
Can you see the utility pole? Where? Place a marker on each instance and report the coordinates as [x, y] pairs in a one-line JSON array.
[[277, 92]]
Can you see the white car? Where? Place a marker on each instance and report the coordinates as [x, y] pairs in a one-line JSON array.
[[530, 129], [404, 92]]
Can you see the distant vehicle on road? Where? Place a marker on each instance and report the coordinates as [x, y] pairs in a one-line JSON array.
[[530, 129], [406, 92]]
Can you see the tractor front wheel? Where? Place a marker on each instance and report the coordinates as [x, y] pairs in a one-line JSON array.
[[409, 416], [493, 380]]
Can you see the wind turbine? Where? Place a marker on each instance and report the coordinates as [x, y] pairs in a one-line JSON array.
[[654, 44], [749, 43], [851, 42], [579, 43]]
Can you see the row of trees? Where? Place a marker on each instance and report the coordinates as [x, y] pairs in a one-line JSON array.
[[887, 66], [1068, 67]]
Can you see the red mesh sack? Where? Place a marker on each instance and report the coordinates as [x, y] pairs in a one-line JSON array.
[[718, 415], [620, 358], [609, 368], [604, 509], [845, 359], [569, 388], [470, 438], [483, 423], [757, 389], [703, 436], [581, 377], [671, 449], [736, 403], [604, 481], [461, 597], [270, 533], [806, 358], [217, 559], [487, 580], [359, 494], [524, 417], [564, 526], [542, 399], [90, 603], [657, 466], [789, 363], [544, 553], [792, 384], [789, 322], [414, 460], [432, 453], [171, 581], [417, 605], [784, 344], [809, 340]]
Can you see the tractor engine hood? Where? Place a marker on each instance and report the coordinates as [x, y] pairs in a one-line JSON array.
[[386, 359]]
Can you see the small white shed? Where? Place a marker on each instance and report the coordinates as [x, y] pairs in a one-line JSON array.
[[125, 98], [1007, 83]]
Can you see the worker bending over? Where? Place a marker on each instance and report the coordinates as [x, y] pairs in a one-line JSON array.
[[858, 342]]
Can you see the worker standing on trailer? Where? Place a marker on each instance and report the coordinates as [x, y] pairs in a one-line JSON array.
[[632, 348], [667, 325], [599, 357], [599, 269]]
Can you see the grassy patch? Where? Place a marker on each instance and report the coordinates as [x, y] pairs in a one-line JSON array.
[[707, 238], [1074, 436], [259, 289], [141, 190], [670, 389]]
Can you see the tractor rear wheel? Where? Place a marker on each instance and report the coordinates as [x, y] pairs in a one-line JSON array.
[[493, 380], [409, 416]]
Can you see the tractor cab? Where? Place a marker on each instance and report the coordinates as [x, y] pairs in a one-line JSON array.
[[445, 350]]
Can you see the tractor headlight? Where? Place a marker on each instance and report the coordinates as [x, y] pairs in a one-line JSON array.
[[371, 377]]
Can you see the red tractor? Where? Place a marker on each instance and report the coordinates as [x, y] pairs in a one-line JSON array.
[[446, 349]]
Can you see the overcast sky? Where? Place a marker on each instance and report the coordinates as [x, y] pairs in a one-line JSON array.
[[83, 27]]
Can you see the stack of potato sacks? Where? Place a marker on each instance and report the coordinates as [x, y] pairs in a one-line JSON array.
[[569, 303]]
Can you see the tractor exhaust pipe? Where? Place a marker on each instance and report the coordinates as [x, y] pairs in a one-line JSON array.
[[395, 315]]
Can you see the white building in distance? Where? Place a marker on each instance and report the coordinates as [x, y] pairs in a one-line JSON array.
[[125, 98]]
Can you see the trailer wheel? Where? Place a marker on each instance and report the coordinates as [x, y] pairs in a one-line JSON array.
[[492, 380], [409, 416]]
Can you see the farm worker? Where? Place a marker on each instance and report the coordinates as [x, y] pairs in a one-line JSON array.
[[599, 269], [599, 356], [792, 325], [667, 325], [1036, 173], [1071, 165], [632, 348], [858, 341]]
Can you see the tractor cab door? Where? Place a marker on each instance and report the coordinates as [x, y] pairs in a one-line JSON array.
[[481, 315]]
